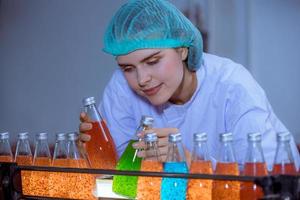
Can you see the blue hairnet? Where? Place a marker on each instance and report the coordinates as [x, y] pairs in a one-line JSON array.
[[141, 24]]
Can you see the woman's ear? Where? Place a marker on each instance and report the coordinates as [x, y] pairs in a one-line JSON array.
[[183, 51]]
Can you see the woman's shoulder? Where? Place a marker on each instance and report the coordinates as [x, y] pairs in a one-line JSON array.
[[227, 77], [226, 71]]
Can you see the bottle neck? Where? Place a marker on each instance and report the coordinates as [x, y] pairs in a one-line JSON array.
[[152, 152], [23, 148], [227, 153], [60, 147], [73, 151], [284, 153], [175, 152], [42, 149], [5, 147], [254, 152], [200, 151], [93, 112]]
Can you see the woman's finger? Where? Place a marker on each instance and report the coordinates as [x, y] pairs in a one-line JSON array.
[[84, 117], [84, 126], [139, 145], [163, 150], [163, 142], [84, 137]]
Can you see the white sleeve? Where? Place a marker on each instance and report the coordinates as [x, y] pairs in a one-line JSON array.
[[248, 110], [116, 109]]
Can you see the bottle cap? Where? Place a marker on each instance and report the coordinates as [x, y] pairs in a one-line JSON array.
[[226, 137], [150, 137], [200, 137], [73, 136], [4, 135], [42, 136], [175, 137], [60, 136], [283, 136], [147, 120], [23, 135], [88, 101], [254, 137]]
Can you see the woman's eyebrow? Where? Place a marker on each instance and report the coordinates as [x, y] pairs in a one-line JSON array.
[[143, 60], [150, 56]]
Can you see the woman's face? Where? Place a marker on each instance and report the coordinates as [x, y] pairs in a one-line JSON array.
[[154, 73]]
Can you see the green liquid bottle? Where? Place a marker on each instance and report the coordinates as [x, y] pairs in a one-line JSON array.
[[127, 185]]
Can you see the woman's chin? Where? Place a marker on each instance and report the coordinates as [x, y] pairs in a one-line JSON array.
[[157, 101]]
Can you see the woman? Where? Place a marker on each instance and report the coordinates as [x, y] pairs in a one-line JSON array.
[[164, 73]]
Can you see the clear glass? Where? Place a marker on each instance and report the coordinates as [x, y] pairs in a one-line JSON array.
[[127, 185], [284, 162], [84, 183], [226, 165], [101, 148], [254, 165], [146, 123], [23, 156], [200, 163], [175, 150], [150, 186], [60, 154], [174, 188], [59, 187], [5, 149], [39, 180]]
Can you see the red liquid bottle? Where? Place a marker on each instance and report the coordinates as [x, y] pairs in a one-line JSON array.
[[200, 189], [101, 148], [79, 186], [148, 188], [254, 166], [58, 181], [5, 149], [23, 156], [227, 165], [284, 162], [39, 180]]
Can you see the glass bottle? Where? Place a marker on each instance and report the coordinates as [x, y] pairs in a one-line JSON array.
[[200, 189], [254, 165], [284, 162], [101, 148], [23, 156], [58, 183], [84, 183], [174, 188], [39, 181], [5, 149], [60, 154], [127, 185], [42, 155], [149, 187], [226, 165]]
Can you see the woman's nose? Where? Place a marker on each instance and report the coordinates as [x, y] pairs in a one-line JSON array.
[[143, 77]]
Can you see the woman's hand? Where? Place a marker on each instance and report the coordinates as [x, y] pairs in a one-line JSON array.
[[84, 127], [162, 134]]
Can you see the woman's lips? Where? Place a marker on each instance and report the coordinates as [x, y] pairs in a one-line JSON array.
[[152, 91]]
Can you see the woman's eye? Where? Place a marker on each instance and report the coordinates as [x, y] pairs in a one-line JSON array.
[[152, 62], [127, 69]]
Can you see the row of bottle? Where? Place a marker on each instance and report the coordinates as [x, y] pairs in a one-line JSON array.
[[101, 148], [52, 184], [100, 152], [200, 189]]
